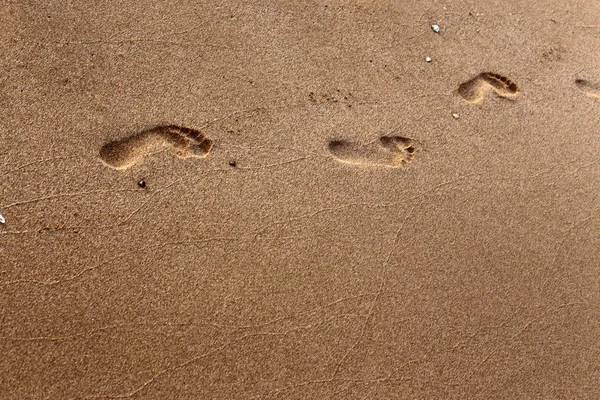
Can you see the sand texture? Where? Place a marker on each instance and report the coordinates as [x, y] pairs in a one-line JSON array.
[[285, 200]]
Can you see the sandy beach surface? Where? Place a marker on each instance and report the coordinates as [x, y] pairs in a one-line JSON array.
[[285, 200]]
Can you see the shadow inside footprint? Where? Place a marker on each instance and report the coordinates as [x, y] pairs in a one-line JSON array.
[[184, 142], [589, 88], [474, 90], [388, 151]]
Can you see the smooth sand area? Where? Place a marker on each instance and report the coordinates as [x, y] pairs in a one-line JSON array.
[[285, 200]]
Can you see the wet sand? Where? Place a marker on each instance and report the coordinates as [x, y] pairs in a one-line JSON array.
[[334, 217]]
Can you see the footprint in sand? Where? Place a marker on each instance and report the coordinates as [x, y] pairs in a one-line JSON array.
[[589, 88], [387, 151], [184, 142], [474, 90]]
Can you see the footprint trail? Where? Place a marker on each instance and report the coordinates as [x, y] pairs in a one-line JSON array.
[[475, 90], [589, 88], [184, 142], [387, 151]]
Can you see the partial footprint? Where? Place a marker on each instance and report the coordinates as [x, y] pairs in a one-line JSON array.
[[589, 88], [185, 142], [388, 151], [474, 90]]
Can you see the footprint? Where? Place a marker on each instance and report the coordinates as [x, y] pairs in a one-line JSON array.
[[387, 151], [474, 90], [589, 88], [185, 142]]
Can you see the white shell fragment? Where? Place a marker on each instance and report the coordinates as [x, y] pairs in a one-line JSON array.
[[428, 59], [436, 28], [2, 220], [455, 115]]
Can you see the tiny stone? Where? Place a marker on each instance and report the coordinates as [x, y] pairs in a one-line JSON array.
[[436, 28], [142, 184], [455, 115], [428, 59], [233, 163], [2, 220]]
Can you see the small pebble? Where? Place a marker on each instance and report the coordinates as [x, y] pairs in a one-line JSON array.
[[233, 163], [455, 115], [142, 184], [436, 28], [2, 220], [428, 59]]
